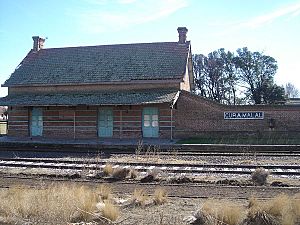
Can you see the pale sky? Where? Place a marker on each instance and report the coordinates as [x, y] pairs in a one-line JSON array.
[[269, 26]]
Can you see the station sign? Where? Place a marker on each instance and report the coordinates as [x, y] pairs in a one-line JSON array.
[[243, 115]]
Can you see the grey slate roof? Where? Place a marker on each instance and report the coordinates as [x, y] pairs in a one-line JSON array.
[[99, 98], [103, 63]]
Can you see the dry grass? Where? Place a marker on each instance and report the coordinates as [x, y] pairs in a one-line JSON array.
[[104, 192], [222, 211], [160, 196], [108, 170], [283, 209], [260, 176], [110, 211], [120, 173], [133, 173], [139, 197], [54, 205]]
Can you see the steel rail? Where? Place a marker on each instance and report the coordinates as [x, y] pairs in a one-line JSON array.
[[145, 166]]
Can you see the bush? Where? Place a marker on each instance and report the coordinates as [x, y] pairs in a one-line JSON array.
[[108, 170], [139, 197], [281, 210], [110, 211], [160, 196], [120, 173], [133, 173], [57, 204], [260, 175], [218, 212], [104, 192]]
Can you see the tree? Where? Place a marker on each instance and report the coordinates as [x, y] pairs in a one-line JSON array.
[[199, 74], [231, 81], [291, 91], [215, 76], [256, 74], [247, 77]]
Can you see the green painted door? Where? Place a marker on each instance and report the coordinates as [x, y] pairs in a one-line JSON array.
[[150, 122], [36, 122], [105, 123]]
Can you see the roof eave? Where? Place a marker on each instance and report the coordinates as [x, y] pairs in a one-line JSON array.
[[141, 81]]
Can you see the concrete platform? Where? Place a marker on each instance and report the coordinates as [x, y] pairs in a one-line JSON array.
[[104, 141], [130, 145]]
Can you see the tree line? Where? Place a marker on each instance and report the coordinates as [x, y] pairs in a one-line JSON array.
[[241, 77]]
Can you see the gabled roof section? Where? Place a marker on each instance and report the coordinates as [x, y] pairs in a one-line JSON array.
[[104, 63]]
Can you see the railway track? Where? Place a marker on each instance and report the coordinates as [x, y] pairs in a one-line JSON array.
[[55, 153], [113, 148], [174, 168]]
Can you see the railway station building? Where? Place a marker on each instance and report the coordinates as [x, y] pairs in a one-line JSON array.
[[142, 90]]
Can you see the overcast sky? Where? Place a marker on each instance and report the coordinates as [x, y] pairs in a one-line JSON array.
[[269, 26]]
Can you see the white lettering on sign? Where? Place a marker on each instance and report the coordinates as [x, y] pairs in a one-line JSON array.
[[243, 115]]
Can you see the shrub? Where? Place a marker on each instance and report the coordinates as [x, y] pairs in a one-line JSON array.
[[120, 173], [133, 173], [261, 218], [160, 196], [282, 210], [139, 197], [222, 211], [56, 204], [108, 170], [104, 192], [260, 176], [110, 211]]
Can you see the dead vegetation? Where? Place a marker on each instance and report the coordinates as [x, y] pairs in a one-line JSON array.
[[281, 210], [160, 196], [139, 197], [260, 175], [108, 170], [118, 174], [65, 204], [57, 204]]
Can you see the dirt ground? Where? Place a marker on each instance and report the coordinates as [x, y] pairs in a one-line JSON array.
[[183, 200]]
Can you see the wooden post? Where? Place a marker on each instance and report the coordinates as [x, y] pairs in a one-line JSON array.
[[74, 125], [172, 123], [121, 123]]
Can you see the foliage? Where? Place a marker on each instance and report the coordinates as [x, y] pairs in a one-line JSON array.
[[244, 77], [291, 91], [215, 76]]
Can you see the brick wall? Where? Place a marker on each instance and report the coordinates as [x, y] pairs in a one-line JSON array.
[[81, 122], [18, 123], [196, 116]]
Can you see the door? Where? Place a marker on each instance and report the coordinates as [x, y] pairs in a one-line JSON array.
[[105, 123], [150, 122], [36, 122]]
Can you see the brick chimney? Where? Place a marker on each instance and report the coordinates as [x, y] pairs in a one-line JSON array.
[[182, 34], [38, 43]]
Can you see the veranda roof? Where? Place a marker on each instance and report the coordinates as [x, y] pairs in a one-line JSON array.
[[95, 98]]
